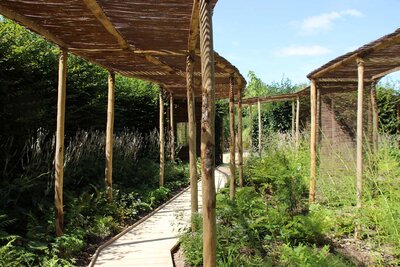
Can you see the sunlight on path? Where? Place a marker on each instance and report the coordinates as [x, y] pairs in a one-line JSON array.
[[150, 243]]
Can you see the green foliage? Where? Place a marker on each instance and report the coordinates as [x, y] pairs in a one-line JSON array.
[[388, 100]]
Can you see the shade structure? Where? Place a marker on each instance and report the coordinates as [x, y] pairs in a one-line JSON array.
[[143, 39]]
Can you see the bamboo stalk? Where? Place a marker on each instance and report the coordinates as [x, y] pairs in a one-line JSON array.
[[232, 152], [109, 135], [240, 140], [162, 141], [207, 134], [192, 138], [59, 153], [313, 147], [360, 70], [172, 127], [259, 129]]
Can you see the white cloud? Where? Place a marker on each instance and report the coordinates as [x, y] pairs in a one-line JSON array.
[[313, 50], [325, 21]]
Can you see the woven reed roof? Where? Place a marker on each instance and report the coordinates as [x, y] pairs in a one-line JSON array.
[[380, 57], [148, 39], [279, 97]]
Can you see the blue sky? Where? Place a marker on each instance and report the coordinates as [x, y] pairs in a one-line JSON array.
[[290, 38]]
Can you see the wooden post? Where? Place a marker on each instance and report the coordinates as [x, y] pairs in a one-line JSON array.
[[192, 137], [251, 127], [360, 68], [109, 135], [333, 120], [207, 134], [232, 152], [374, 106], [297, 121], [259, 129], [293, 118], [172, 128], [162, 141], [59, 155], [240, 140], [313, 148]]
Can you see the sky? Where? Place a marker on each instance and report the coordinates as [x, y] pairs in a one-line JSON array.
[[291, 38]]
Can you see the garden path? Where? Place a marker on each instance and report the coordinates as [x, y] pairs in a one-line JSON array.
[[149, 243]]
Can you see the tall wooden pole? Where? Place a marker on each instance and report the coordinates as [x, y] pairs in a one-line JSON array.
[[333, 120], [259, 129], [251, 127], [313, 145], [59, 155], [192, 137], [297, 121], [232, 152], [208, 134], [162, 141], [109, 135], [172, 128], [374, 106], [360, 68], [240, 140], [293, 118]]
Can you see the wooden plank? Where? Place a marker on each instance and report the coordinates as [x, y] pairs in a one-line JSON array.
[[109, 135], [172, 127], [59, 153], [192, 139], [313, 146], [208, 135], [240, 141], [162, 141], [232, 152], [259, 129]]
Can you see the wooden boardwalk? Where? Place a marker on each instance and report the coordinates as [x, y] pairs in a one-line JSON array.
[[150, 242]]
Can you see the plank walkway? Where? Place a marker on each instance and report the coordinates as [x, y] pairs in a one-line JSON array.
[[150, 242]]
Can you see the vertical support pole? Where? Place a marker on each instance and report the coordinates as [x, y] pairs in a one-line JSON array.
[[360, 96], [59, 155], [207, 134], [333, 129], [240, 140], [259, 129], [297, 121], [192, 137], [375, 118], [313, 141], [109, 135], [162, 141], [251, 127], [232, 152], [293, 118], [318, 118], [172, 127]]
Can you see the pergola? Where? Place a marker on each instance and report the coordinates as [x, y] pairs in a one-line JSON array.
[[160, 41]]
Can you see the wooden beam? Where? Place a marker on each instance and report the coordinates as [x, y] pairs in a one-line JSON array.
[[192, 139], [240, 141], [380, 75], [172, 127], [11, 14], [162, 141], [259, 129], [251, 127], [109, 135], [313, 146], [297, 121], [293, 118], [194, 28], [59, 153], [232, 152], [208, 134], [360, 100]]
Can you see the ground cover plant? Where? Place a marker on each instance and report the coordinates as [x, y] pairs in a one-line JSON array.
[[27, 214]]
